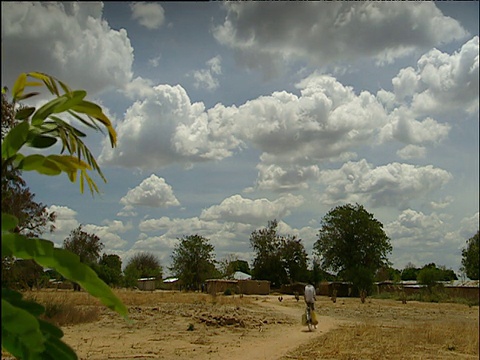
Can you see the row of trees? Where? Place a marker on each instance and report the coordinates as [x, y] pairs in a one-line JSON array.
[[351, 244]]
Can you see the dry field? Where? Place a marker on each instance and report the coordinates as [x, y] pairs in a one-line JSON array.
[[173, 325]]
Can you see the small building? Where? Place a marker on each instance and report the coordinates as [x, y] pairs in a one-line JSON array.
[[146, 284], [247, 286], [171, 283], [221, 285], [238, 275], [254, 287]]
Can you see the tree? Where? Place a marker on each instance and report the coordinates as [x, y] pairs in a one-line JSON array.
[[22, 274], [109, 269], [267, 264], [24, 334], [279, 259], [470, 255], [142, 265], [410, 272], [387, 273], [352, 243], [17, 199], [86, 246], [429, 275], [231, 264], [193, 261], [294, 259]]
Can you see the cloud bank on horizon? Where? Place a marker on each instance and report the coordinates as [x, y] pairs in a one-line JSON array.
[[322, 132]]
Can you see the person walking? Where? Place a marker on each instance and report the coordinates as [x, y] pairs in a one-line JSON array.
[[310, 297]]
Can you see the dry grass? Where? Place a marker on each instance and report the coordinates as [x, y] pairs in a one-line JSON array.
[[66, 308], [139, 298], [378, 329], [372, 340]]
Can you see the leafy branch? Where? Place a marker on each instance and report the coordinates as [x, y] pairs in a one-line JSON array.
[[24, 334]]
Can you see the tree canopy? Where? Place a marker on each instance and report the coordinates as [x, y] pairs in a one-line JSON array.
[[470, 255], [142, 265], [109, 269], [352, 243], [279, 259], [193, 261], [86, 246]]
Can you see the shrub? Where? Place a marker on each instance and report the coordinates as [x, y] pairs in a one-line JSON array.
[[228, 291]]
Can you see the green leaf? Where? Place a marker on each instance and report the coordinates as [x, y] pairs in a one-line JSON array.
[[41, 142], [21, 335], [34, 83], [9, 222], [91, 109], [26, 96], [32, 162], [19, 86], [65, 87], [47, 109], [66, 263], [56, 349], [77, 97], [49, 168], [14, 140], [24, 113], [15, 297]]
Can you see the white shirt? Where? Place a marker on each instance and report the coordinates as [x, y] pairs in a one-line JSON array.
[[309, 294]]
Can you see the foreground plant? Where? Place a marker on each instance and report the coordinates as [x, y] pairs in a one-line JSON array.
[[24, 334]]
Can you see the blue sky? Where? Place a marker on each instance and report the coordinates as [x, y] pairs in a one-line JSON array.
[[232, 114]]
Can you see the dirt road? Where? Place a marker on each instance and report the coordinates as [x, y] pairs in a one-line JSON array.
[[262, 328]]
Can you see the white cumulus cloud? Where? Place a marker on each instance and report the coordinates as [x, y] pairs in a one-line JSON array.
[[441, 82], [69, 40], [207, 78], [395, 184], [248, 211], [153, 192], [265, 34], [150, 15]]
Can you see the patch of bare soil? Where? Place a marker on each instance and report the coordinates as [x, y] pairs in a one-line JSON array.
[[258, 328]]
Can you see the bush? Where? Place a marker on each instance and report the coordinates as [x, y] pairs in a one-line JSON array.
[[228, 291]]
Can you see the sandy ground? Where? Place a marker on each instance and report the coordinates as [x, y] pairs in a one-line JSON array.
[[259, 327], [262, 328]]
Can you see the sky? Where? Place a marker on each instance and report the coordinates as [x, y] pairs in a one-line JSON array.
[[232, 114]]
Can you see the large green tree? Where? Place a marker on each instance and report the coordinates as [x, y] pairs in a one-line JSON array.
[[410, 272], [294, 259], [142, 265], [279, 259], [352, 243], [470, 255], [267, 264], [109, 269], [193, 261], [86, 246]]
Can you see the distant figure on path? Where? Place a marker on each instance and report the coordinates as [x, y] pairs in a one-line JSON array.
[[310, 296]]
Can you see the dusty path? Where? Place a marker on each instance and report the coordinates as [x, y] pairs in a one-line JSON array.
[[279, 341], [269, 329]]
